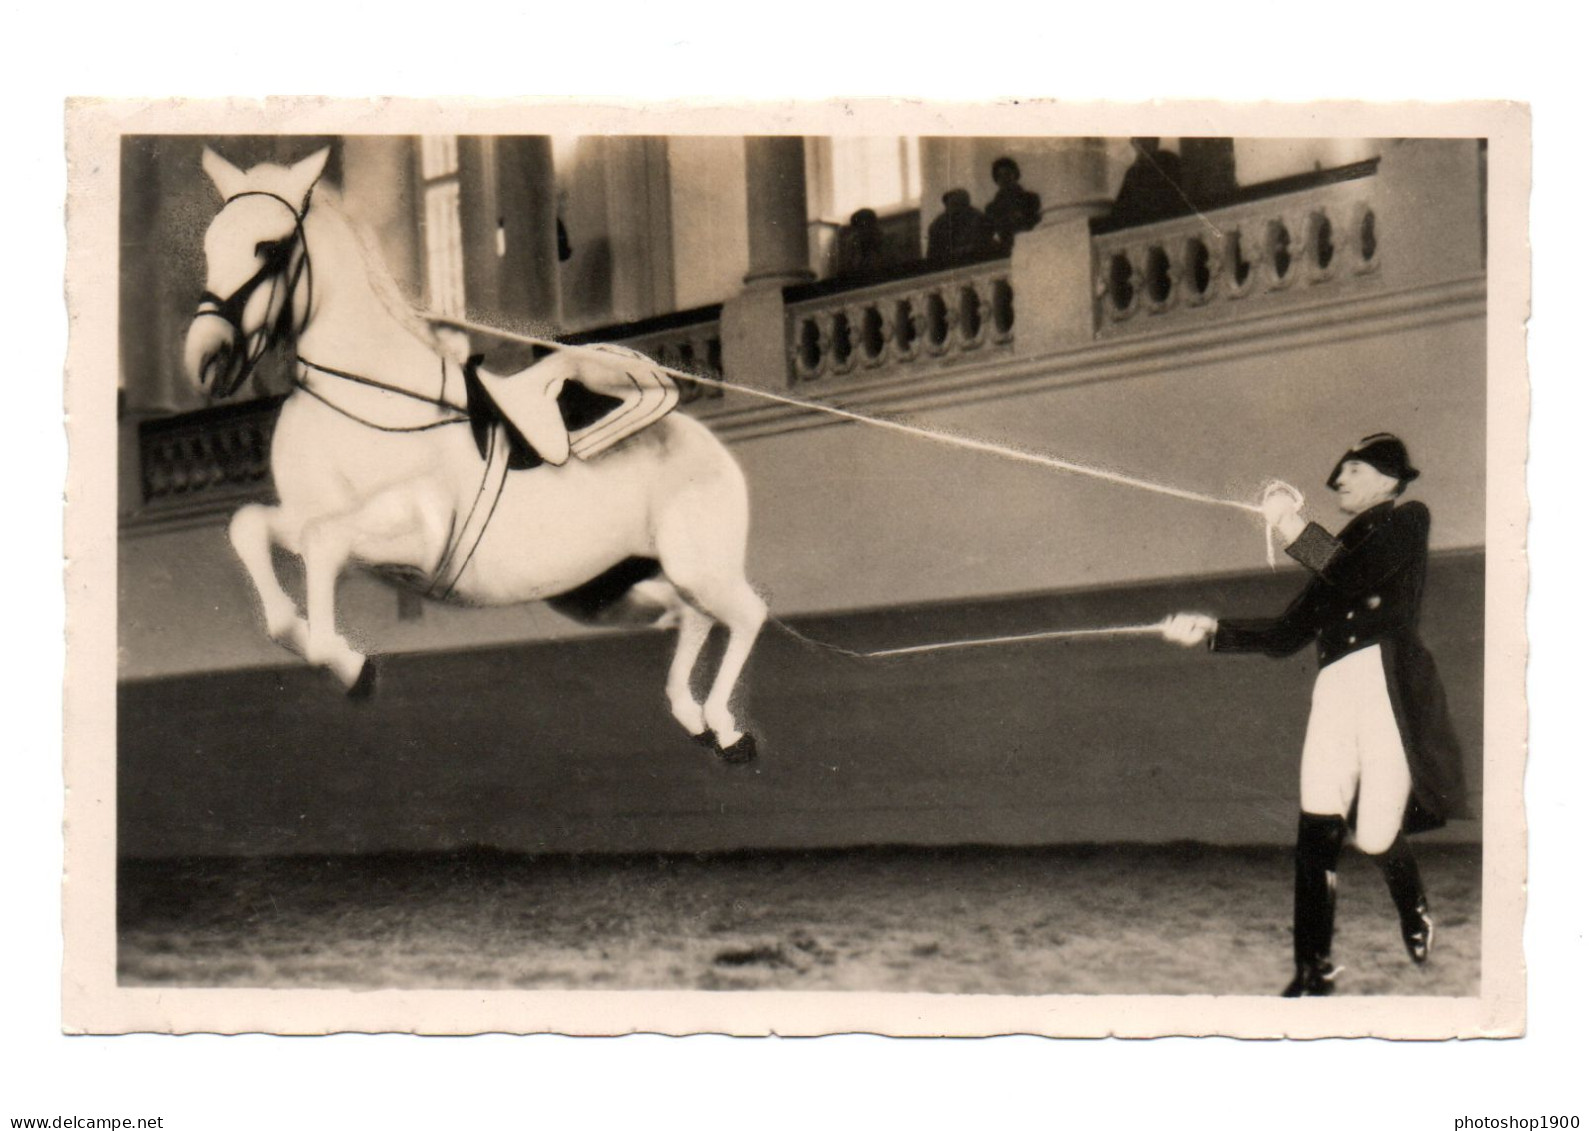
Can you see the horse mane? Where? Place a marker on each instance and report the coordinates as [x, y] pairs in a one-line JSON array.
[[383, 283]]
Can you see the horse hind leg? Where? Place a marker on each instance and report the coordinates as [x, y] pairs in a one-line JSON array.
[[735, 605], [701, 545], [694, 627]]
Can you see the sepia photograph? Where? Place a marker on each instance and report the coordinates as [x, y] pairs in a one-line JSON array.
[[882, 571]]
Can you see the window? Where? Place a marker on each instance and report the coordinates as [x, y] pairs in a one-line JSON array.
[[844, 174], [438, 169]]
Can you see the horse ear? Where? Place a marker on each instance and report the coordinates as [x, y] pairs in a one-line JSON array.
[[306, 173], [226, 177]]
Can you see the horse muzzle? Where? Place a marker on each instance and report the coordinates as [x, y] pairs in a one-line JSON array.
[[213, 356]]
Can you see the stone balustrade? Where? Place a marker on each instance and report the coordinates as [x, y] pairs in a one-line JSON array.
[[1251, 254], [218, 454], [942, 316]]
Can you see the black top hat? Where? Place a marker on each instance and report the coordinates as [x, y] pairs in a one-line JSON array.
[[1381, 451]]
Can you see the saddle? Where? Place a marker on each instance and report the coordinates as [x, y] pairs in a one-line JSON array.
[[530, 418], [551, 415]]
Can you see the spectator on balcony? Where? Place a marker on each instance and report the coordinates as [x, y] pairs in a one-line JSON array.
[[1013, 208], [1152, 188], [860, 246], [960, 232]]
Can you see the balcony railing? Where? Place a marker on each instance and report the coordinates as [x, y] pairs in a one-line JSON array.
[[209, 457], [1250, 254], [891, 326]]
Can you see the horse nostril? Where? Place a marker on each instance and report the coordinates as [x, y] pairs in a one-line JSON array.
[[217, 366]]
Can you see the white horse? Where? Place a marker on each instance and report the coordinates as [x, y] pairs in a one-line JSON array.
[[375, 461]]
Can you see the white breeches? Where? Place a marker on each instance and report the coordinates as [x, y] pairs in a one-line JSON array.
[[1353, 749]]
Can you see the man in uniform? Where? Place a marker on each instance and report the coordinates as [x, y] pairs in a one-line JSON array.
[[1380, 757]]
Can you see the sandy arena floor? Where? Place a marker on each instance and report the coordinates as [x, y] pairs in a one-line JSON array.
[[1175, 919]]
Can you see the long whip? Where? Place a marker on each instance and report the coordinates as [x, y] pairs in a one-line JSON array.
[[967, 442]]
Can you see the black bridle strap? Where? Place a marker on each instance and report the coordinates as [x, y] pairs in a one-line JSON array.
[[230, 309]]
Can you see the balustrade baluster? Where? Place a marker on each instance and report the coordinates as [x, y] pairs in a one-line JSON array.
[[1247, 260], [908, 327], [1003, 310], [841, 343]]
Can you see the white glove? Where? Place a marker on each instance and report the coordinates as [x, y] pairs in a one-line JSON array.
[[1280, 502], [1188, 629]]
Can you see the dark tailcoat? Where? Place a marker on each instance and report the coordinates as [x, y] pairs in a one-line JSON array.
[[1366, 589]]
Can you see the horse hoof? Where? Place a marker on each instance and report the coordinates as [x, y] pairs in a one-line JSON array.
[[363, 689], [741, 752], [707, 739]]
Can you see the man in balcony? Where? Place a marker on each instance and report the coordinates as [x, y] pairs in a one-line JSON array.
[[861, 252], [1013, 208], [1380, 758], [1152, 186], [960, 232]]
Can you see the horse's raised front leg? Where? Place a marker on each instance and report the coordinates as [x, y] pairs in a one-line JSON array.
[[253, 531], [404, 525], [327, 546]]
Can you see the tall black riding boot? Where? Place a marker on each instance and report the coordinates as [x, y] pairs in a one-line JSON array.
[[1319, 840], [1400, 870]]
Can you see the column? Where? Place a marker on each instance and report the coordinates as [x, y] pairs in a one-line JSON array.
[[1429, 222], [477, 217], [1051, 269], [752, 326], [775, 204], [508, 215], [527, 288]]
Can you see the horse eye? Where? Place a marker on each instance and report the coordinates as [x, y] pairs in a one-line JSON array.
[[265, 248]]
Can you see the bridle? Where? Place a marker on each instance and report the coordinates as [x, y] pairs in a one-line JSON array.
[[279, 265]]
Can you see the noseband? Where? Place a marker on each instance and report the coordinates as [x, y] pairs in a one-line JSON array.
[[278, 264]]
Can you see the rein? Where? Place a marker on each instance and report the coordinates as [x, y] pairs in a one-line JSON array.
[[458, 415]]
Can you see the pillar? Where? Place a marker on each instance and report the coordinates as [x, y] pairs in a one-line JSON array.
[[1430, 219], [1051, 268], [775, 205], [509, 222], [752, 325]]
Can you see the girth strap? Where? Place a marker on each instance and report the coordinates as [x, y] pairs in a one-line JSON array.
[[461, 548]]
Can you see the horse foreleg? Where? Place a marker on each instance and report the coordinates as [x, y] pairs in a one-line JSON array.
[[252, 532], [327, 545], [404, 525], [694, 627]]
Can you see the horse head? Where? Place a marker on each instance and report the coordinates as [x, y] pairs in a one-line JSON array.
[[258, 279]]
